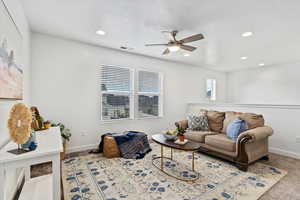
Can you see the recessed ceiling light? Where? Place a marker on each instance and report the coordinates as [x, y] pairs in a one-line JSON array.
[[100, 32], [247, 34], [244, 58], [261, 64], [186, 55]]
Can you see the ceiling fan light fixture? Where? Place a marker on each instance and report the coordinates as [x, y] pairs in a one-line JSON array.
[[100, 32], [247, 34], [174, 48]]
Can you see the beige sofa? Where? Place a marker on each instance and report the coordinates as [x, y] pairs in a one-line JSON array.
[[250, 146]]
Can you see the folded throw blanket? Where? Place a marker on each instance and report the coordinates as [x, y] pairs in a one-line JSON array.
[[132, 144]]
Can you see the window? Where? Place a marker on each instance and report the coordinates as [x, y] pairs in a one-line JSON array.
[[211, 89], [123, 97], [149, 94], [116, 93]]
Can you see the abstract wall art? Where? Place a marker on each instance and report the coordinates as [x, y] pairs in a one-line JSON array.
[[11, 72]]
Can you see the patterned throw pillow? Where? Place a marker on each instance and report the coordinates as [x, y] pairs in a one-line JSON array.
[[198, 123], [235, 128]]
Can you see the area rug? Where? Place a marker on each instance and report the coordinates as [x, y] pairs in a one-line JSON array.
[[94, 177]]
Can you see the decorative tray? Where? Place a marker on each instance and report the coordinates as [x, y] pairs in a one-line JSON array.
[[181, 143]]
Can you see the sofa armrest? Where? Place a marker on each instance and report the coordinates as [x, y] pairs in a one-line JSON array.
[[250, 136], [182, 124], [256, 133]]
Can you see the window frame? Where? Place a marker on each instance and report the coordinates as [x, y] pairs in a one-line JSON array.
[[130, 93], [133, 94], [159, 94], [213, 96]]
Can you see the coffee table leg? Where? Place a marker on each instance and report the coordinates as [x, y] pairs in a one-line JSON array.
[[162, 157], [171, 153], [193, 168]]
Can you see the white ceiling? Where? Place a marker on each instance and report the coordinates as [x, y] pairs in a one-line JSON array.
[[133, 23]]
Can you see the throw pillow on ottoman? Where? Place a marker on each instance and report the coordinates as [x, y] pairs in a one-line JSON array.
[[130, 144]]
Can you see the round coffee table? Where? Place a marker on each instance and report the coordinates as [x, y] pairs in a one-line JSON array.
[[190, 146]]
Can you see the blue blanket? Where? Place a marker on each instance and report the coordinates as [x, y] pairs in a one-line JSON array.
[[132, 144]]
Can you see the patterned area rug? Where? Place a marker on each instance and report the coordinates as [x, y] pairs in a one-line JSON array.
[[94, 177]]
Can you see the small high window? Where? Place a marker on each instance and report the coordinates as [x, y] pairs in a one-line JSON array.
[[211, 85]]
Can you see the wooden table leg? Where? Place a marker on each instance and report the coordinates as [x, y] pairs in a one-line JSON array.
[[56, 177], [193, 168], [171, 153]]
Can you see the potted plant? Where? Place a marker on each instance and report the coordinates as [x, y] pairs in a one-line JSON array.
[[180, 133], [65, 134]]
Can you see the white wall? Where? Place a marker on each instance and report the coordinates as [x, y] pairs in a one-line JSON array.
[[65, 89], [266, 85], [275, 87], [17, 13]]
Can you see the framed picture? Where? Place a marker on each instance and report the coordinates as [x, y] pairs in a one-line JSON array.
[[11, 72]]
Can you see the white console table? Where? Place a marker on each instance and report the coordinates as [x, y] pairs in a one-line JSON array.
[[44, 187]]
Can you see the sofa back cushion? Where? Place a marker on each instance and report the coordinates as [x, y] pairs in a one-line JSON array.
[[252, 120], [235, 128], [215, 119]]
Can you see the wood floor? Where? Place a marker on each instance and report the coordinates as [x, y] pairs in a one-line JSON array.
[[287, 189]]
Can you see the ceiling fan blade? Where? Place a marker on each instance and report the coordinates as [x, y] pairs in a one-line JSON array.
[[166, 51], [148, 45], [187, 47], [192, 38]]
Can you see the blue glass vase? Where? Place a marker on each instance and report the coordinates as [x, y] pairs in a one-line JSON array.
[[30, 140]]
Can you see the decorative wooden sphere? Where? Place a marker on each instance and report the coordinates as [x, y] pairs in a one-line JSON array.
[[19, 123]]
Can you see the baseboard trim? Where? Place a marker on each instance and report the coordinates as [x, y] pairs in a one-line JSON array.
[[284, 153], [81, 148]]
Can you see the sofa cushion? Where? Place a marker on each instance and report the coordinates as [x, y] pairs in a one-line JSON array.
[[252, 120], [215, 119], [220, 141], [235, 128], [198, 123], [198, 136]]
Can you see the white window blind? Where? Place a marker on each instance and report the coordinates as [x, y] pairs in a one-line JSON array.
[[148, 81], [115, 79], [116, 93], [149, 94]]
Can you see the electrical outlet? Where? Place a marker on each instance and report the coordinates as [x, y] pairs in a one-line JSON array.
[[83, 134], [297, 139]]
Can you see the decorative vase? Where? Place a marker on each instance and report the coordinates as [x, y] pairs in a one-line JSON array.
[[40, 120], [181, 138], [47, 125], [30, 140]]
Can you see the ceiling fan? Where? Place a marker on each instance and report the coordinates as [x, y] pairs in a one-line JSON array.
[[174, 44]]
